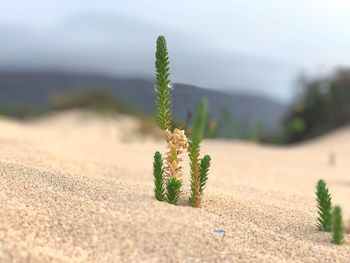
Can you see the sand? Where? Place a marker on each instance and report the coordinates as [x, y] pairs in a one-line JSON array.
[[78, 188]]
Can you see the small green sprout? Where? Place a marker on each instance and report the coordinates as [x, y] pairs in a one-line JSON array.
[[163, 86], [203, 171], [324, 205], [173, 190], [198, 177], [158, 174], [337, 226]]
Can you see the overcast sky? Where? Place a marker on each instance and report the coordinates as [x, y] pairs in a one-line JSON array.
[[310, 34]]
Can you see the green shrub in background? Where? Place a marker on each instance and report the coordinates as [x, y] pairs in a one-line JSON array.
[[322, 106], [95, 100]]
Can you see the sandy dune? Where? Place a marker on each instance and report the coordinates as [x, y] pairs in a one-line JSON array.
[[76, 188]]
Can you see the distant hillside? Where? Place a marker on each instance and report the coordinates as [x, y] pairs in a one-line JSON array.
[[108, 42], [36, 88]]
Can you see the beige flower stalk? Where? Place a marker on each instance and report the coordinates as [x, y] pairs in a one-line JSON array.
[[177, 144]]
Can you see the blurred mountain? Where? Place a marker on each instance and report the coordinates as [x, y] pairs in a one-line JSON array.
[[36, 88], [113, 44]]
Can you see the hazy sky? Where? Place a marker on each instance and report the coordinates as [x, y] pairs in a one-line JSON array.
[[312, 32], [302, 34]]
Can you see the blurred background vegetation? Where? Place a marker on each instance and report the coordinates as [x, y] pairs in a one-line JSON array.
[[99, 56], [321, 106]]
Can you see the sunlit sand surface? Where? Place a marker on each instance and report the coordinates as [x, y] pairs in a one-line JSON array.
[[76, 187]]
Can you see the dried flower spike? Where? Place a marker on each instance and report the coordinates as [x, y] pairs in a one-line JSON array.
[[177, 144]]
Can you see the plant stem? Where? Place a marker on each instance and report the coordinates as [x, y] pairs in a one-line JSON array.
[[173, 190], [158, 174]]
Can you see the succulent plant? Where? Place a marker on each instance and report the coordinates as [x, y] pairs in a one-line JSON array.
[[199, 169], [324, 206], [337, 226], [204, 172], [163, 85], [173, 190], [158, 174], [176, 139]]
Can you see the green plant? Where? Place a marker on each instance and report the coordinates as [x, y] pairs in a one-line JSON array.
[[93, 99], [337, 226], [163, 86], [194, 152], [324, 205], [173, 190], [176, 139], [158, 173], [203, 171]]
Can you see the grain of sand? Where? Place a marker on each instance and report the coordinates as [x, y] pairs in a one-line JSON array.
[[78, 188]]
